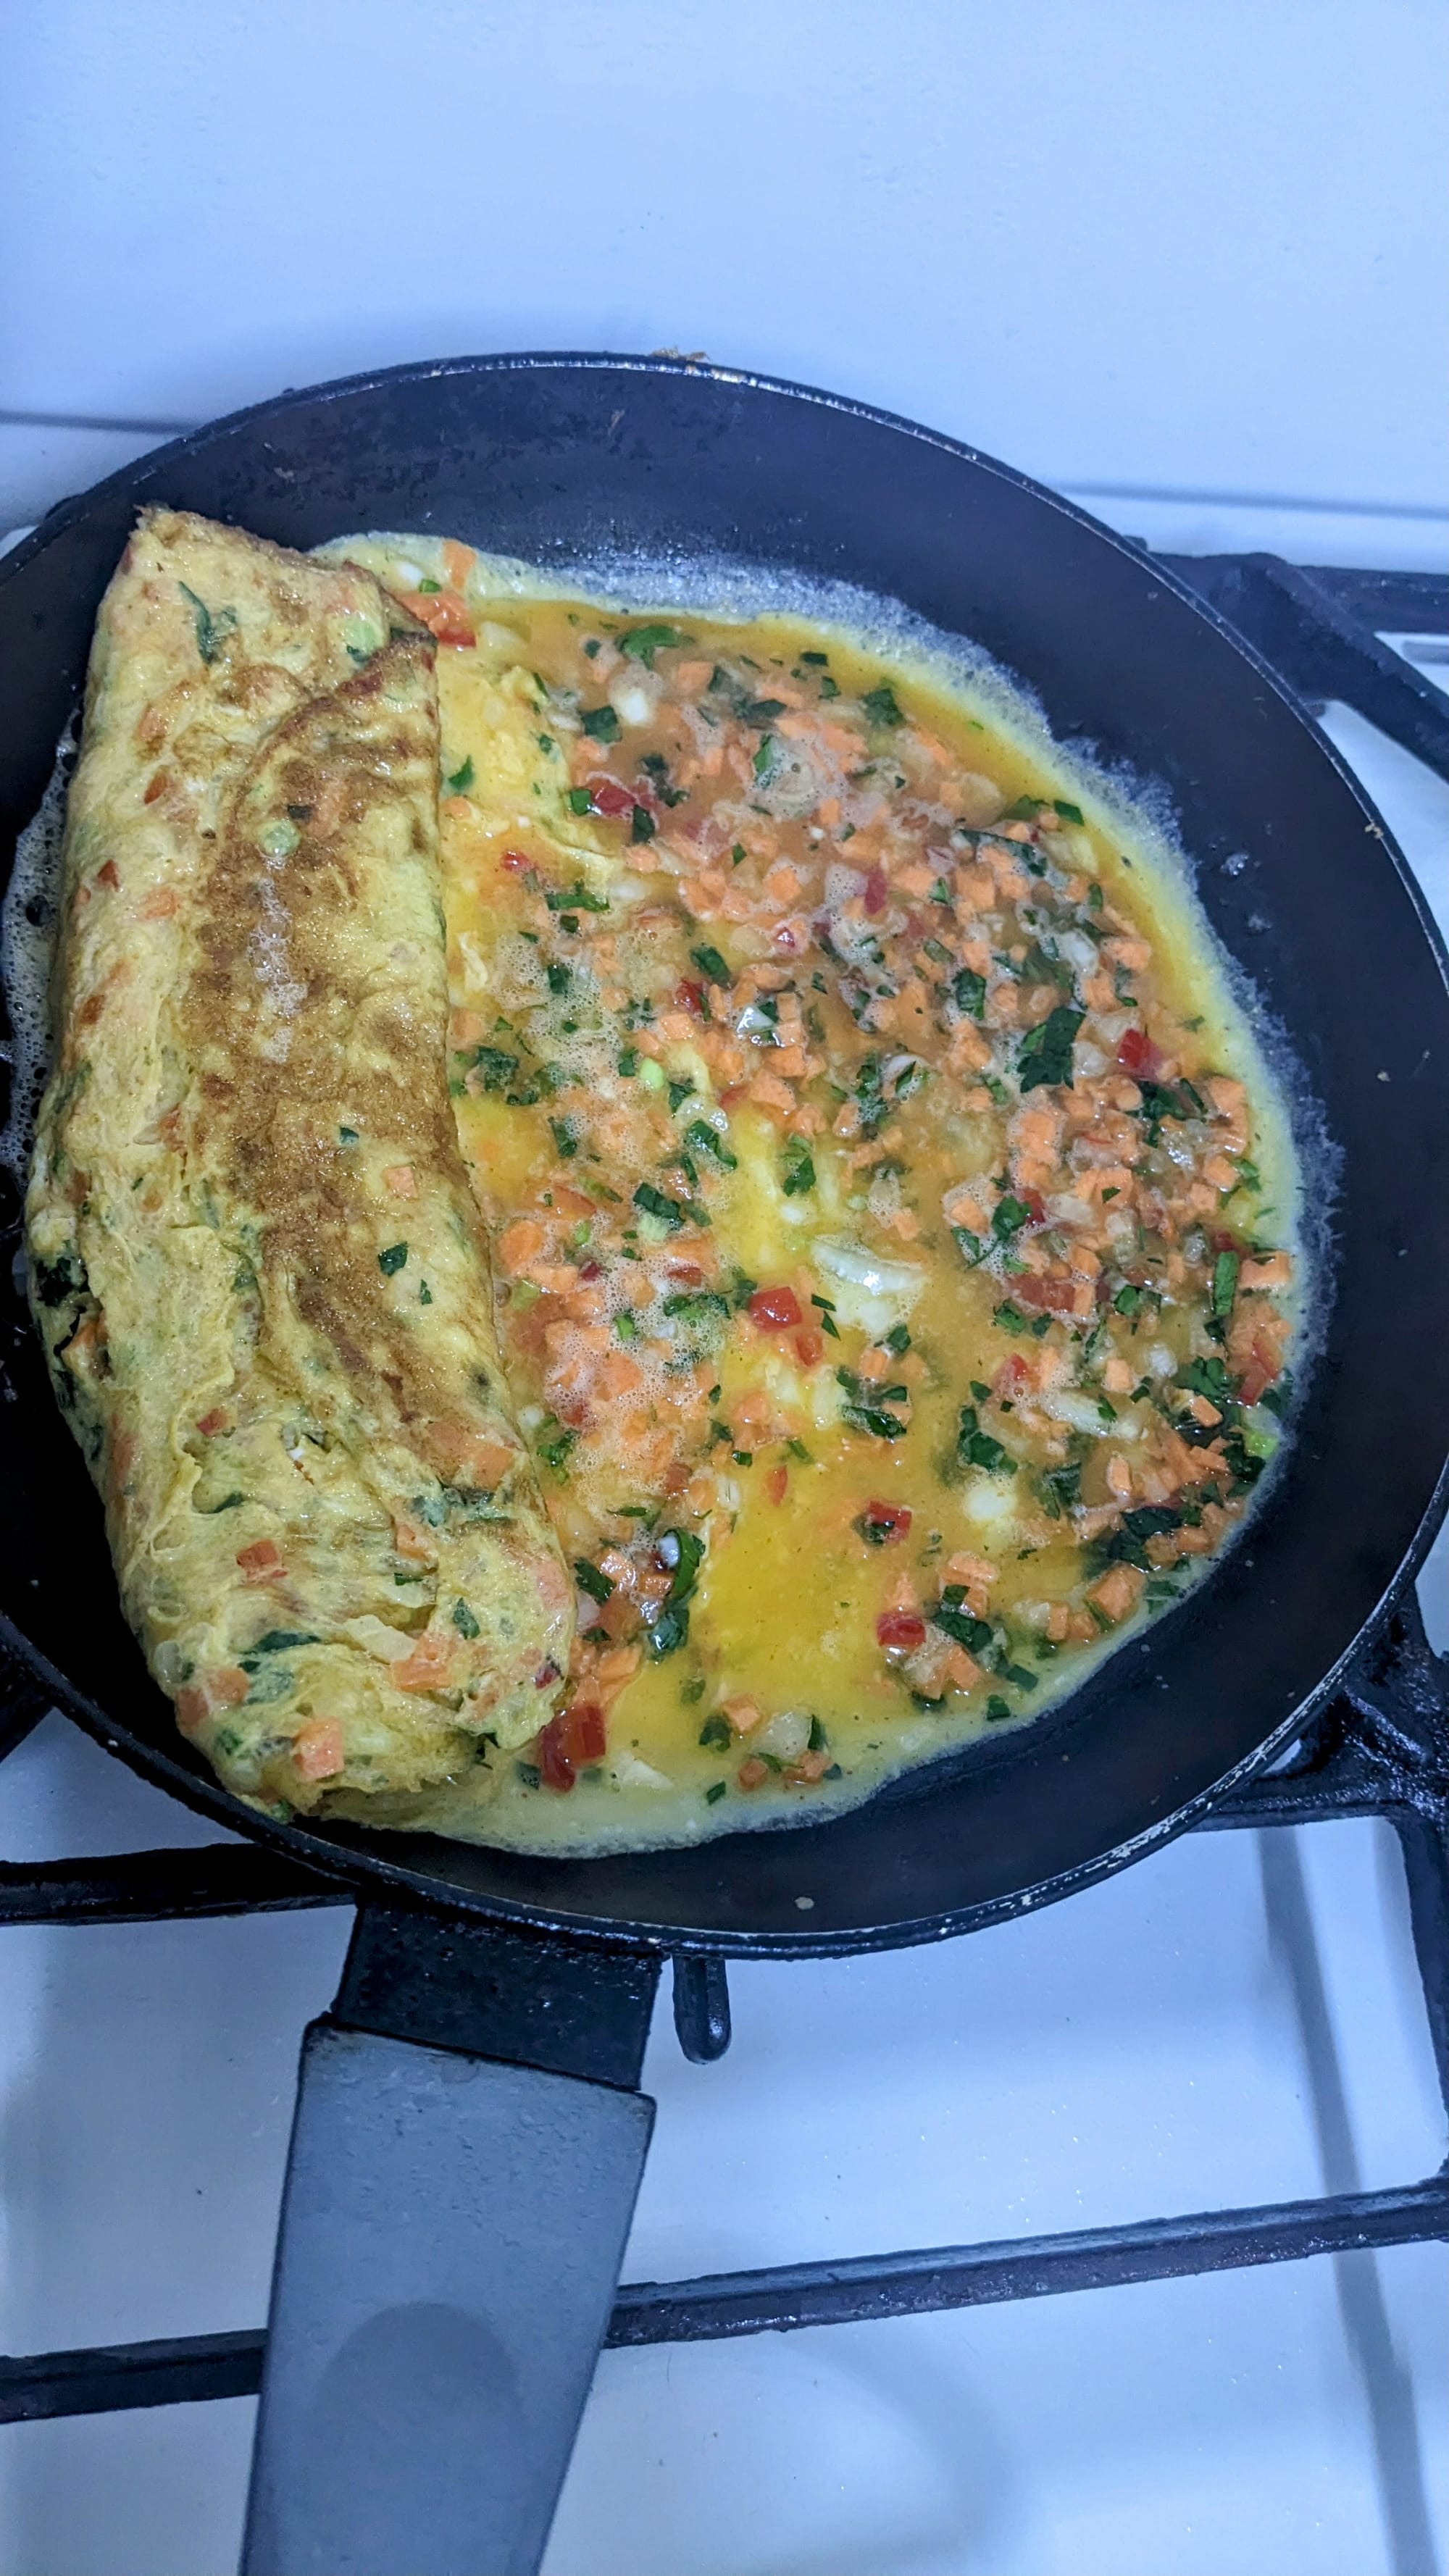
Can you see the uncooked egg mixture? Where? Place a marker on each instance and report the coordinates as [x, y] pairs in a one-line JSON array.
[[894, 1220]]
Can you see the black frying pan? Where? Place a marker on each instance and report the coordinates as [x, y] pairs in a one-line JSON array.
[[469, 2139]]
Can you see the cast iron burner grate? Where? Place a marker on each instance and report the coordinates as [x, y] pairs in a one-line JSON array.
[[1381, 1748]]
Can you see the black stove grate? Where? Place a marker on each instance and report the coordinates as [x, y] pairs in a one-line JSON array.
[[1380, 1749]]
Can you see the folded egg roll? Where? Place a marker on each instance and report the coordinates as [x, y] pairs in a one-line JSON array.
[[255, 1260]]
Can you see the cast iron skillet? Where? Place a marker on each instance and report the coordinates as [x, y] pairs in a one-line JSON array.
[[505, 2181]]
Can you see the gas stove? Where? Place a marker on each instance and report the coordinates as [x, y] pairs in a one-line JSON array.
[[843, 2346]]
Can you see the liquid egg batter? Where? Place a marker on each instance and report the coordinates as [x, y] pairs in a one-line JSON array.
[[893, 1218]]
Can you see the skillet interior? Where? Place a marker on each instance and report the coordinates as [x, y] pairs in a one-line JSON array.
[[558, 458]]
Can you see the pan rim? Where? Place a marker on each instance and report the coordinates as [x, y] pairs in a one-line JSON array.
[[64, 514]]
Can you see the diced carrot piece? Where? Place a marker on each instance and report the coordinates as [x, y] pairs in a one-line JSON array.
[[743, 1715], [809, 1768], [427, 1667], [469, 1457], [458, 562], [521, 1243], [317, 1749], [411, 1540], [752, 1773], [1117, 1592], [443, 613], [402, 1180], [618, 1374], [262, 1561]]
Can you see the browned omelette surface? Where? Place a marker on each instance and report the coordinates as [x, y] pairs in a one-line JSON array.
[[255, 1257]]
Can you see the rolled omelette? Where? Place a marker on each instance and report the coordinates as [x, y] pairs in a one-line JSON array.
[[255, 1259]]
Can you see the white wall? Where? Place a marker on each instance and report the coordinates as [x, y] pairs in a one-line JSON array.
[[1176, 247]]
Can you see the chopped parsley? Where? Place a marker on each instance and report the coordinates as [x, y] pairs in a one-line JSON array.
[[671, 1626], [553, 1442], [1045, 1053], [580, 898], [961, 1628], [865, 1405], [977, 1448], [1060, 1489], [798, 1172], [213, 626], [643, 642], [1225, 1282], [654, 1203], [707, 1140], [881, 707]]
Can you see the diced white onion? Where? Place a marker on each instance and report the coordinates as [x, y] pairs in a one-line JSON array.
[[989, 1503], [632, 701], [786, 1736], [390, 1645], [631, 1773], [502, 639], [1083, 1414], [869, 1270], [1063, 1209]]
